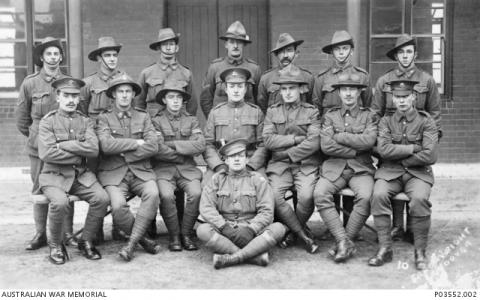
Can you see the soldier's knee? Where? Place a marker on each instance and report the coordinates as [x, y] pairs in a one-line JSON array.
[[167, 199], [276, 230], [205, 232], [195, 195], [322, 199], [380, 197], [101, 199], [59, 203]]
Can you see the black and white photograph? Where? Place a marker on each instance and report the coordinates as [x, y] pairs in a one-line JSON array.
[[239, 148]]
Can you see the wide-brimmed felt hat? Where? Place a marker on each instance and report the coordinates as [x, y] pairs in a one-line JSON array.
[[233, 147], [68, 84], [236, 31], [290, 75], [236, 74], [45, 43], [122, 79], [284, 40], [176, 86], [402, 87], [349, 79], [339, 37], [402, 41], [104, 43], [165, 34]]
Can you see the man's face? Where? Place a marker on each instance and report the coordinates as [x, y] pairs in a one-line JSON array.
[[235, 91], [349, 95], [286, 55], [237, 162], [67, 102], [342, 52], [51, 56], [234, 48], [290, 92], [168, 49], [403, 103], [174, 101], [123, 95], [109, 59], [406, 56]]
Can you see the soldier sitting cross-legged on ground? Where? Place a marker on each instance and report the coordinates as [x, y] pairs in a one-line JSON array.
[[238, 207]]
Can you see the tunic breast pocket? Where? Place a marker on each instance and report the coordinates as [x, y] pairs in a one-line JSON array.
[[389, 106], [397, 138], [137, 132], [223, 200], [117, 132], [358, 129], [222, 129], [99, 101], [185, 133], [39, 104], [61, 136], [248, 200], [421, 92], [219, 88], [278, 120], [329, 97], [154, 85], [302, 125], [168, 135], [248, 128], [274, 95], [414, 139]]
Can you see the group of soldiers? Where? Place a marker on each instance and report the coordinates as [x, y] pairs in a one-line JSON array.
[[108, 138]]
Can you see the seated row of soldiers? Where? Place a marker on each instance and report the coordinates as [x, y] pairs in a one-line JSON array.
[[243, 190]]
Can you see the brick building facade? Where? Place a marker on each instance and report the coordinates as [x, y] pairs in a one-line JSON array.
[[135, 24]]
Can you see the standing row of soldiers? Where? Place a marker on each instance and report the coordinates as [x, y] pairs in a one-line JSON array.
[[317, 137]]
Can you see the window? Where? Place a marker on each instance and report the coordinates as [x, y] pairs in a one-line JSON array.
[[424, 19], [45, 18]]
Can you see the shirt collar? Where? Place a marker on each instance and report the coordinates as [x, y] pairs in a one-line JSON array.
[[106, 76], [123, 114], [352, 111], [337, 68], [66, 114], [242, 173], [292, 106], [171, 116], [235, 104], [405, 72], [235, 62], [164, 64], [409, 115], [52, 77]]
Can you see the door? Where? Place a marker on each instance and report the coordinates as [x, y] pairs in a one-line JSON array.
[[201, 22]]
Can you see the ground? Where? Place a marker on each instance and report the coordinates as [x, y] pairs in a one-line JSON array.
[[453, 249]]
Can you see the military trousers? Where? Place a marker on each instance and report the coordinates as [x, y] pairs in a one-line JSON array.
[[168, 205], [94, 195], [360, 184], [304, 186], [131, 184], [36, 165], [417, 190]]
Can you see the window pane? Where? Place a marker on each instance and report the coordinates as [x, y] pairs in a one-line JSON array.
[[12, 6], [49, 19], [378, 69], [11, 79], [15, 53], [429, 49], [379, 48], [12, 25], [428, 16], [387, 16]]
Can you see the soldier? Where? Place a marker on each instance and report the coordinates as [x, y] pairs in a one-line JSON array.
[[93, 99], [324, 95], [238, 207], [234, 119], [213, 93], [66, 139], [286, 52], [407, 142], [291, 131], [341, 48], [167, 68], [35, 100], [427, 99], [348, 135], [174, 164], [127, 141]]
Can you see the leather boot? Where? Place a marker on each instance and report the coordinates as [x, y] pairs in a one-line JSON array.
[[89, 250], [39, 240], [99, 236], [126, 253], [70, 240], [187, 243], [152, 229], [139, 229], [260, 260], [225, 260], [397, 233], [119, 235], [289, 240], [174, 243], [310, 244], [57, 254], [383, 255], [420, 259], [345, 250], [149, 245], [408, 237]]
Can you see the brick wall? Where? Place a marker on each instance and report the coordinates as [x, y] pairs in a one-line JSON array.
[[12, 142]]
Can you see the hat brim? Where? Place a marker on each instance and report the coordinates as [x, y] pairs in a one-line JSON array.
[[162, 93], [329, 48], [392, 52], [93, 54], [357, 85], [38, 50], [136, 88], [235, 37], [292, 81], [294, 43], [245, 72], [155, 45]]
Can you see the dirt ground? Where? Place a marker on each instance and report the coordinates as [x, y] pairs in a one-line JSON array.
[[454, 251]]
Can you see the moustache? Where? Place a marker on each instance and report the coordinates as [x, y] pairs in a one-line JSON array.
[[286, 59]]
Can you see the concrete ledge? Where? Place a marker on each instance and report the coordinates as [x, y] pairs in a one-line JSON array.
[[440, 170]]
